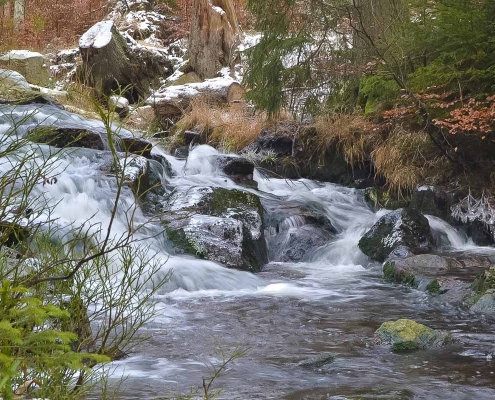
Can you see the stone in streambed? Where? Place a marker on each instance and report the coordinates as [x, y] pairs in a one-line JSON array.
[[404, 227], [401, 335], [217, 224]]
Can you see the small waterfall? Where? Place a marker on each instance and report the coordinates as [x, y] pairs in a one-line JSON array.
[[447, 236]]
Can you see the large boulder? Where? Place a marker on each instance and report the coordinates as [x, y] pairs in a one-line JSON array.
[[405, 335], [15, 89], [31, 65], [217, 224], [62, 137], [402, 228]]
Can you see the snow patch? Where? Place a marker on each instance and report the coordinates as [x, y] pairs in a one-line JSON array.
[[98, 36]]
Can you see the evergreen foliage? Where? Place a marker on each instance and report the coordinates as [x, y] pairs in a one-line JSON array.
[[418, 44]]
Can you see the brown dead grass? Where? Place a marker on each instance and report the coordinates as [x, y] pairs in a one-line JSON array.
[[230, 128], [403, 157]]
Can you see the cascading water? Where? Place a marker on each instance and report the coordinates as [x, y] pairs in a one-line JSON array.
[[331, 301]]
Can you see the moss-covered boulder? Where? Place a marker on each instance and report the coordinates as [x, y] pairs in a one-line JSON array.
[[405, 227], [403, 332], [62, 137], [217, 224]]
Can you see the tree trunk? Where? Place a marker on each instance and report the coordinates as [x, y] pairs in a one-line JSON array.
[[213, 37], [111, 67], [19, 12]]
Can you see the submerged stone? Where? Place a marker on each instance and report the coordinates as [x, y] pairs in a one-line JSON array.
[[318, 361]]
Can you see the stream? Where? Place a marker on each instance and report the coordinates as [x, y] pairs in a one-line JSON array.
[[285, 315]]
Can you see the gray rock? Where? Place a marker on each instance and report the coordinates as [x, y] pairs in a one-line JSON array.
[[217, 224], [238, 169], [30, 64], [405, 227], [136, 145], [486, 304]]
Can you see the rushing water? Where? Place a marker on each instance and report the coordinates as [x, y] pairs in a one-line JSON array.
[[290, 312]]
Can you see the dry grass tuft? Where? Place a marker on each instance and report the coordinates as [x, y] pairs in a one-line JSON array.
[[353, 134], [81, 97], [406, 159], [403, 158], [229, 128]]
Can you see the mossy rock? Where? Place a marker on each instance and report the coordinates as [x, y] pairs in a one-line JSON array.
[[433, 287], [405, 347], [484, 281], [405, 227], [66, 137], [406, 330], [221, 225], [392, 274]]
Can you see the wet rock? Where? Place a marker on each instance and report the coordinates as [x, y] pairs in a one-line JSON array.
[[486, 303], [192, 138], [406, 331], [238, 169], [434, 201], [67, 137], [294, 231], [219, 225], [181, 152], [279, 145], [404, 227], [167, 167], [450, 278], [135, 145], [318, 361], [405, 347]]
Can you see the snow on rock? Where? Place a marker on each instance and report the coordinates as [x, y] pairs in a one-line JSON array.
[[98, 36], [143, 25], [20, 55], [67, 56], [13, 80], [190, 89], [118, 102]]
